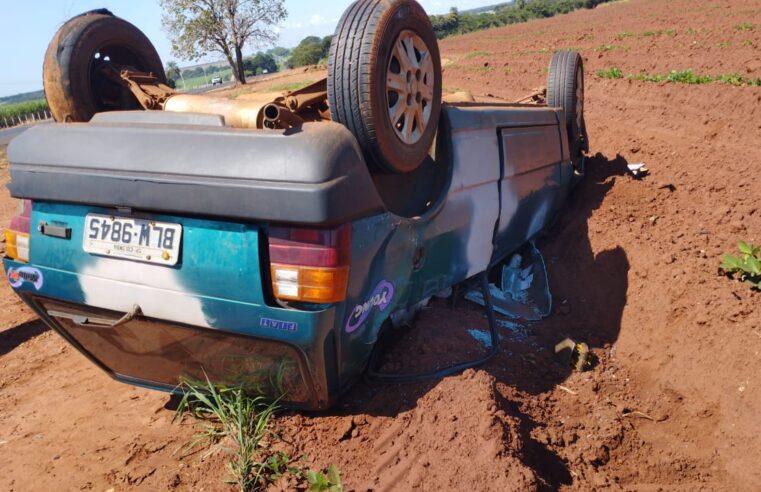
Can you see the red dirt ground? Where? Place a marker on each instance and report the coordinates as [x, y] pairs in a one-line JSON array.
[[674, 400]]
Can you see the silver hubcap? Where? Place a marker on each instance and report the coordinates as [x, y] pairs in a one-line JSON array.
[[409, 87]]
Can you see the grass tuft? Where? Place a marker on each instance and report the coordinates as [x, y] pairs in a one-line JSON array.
[[688, 77], [610, 73], [292, 86], [610, 47], [731, 79], [477, 54], [239, 425], [745, 26], [647, 34], [231, 416]]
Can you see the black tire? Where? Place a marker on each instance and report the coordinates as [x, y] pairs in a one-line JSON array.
[[80, 51], [362, 57], [565, 89]]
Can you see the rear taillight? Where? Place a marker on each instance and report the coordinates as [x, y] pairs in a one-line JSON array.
[[310, 265], [17, 234]]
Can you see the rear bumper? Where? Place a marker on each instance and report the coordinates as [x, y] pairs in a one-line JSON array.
[[279, 352]]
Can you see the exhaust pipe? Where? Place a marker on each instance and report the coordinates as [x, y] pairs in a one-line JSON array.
[[276, 116], [237, 114]]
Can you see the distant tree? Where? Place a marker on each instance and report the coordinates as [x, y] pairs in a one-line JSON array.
[[446, 24], [260, 63], [326, 46], [310, 51], [192, 72], [279, 51], [199, 27]]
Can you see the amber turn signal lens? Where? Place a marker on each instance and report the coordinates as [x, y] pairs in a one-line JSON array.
[[309, 284], [17, 245]]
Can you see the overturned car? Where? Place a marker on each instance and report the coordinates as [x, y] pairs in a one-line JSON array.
[[170, 236]]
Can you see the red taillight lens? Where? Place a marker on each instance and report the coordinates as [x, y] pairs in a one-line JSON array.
[[310, 247], [17, 233], [310, 265]]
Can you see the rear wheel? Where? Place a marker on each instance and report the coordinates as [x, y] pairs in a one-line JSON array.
[[83, 58], [384, 81], [565, 89]]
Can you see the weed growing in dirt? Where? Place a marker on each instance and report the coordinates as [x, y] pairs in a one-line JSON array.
[[647, 34], [731, 79], [610, 47], [646, 77], [688, 77], [230, 415], [610, 73], [747, 264], [327, 480], [745, 26], [478, 54]]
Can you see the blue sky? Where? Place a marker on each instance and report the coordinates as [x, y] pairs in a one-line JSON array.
[[26, 27]]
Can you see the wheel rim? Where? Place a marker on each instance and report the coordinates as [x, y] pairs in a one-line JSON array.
[[579, 98], [409, 87], [108, 94]]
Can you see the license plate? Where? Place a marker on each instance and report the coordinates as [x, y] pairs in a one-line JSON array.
[[134, 239]]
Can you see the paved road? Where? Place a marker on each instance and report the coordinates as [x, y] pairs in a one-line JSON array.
[[7, 134]]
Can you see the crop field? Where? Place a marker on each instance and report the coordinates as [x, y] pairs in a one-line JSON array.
[[673, 399], [9, 112]]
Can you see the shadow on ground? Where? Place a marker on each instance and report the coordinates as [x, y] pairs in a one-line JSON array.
[[589, 295], [13, 337]]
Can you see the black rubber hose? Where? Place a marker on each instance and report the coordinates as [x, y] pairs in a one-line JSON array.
[[378, 377]]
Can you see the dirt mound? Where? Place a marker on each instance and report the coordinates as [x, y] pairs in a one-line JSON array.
[[457, 432]]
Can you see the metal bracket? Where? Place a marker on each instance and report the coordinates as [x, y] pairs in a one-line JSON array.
[[53, 230], [93, 321]]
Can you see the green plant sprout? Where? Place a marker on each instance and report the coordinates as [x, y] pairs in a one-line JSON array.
[[747, 264]]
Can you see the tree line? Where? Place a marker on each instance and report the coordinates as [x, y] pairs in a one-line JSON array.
[[455, 22]]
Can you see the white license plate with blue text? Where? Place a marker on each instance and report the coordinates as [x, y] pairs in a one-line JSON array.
[[134, 239]]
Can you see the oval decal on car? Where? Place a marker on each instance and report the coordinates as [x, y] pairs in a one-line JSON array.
[[381, 297], [17, 277]]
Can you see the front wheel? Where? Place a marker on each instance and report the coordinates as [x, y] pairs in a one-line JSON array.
[[384, 81], [565, 89]]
